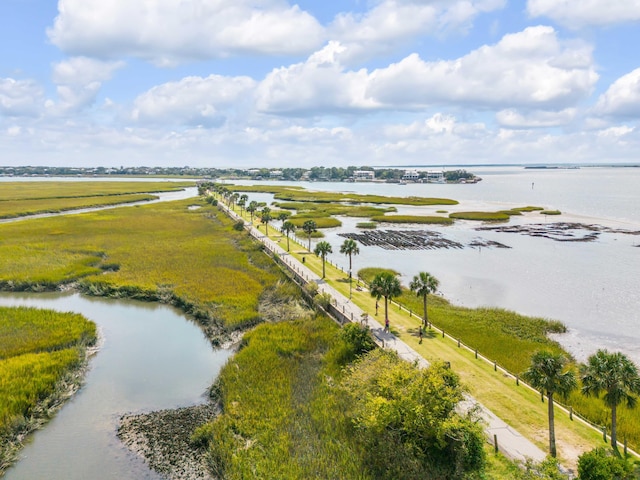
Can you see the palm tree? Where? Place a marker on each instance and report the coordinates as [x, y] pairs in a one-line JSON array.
[[322, 250], [349, 247], [253, 206], [387, 285], [287, 228], [546, 374], [309, 227], [242, 202], [423, 284], [232, 200], [616, 376], [265, 217], [283, 216]]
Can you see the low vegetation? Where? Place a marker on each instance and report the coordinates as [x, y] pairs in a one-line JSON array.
[[292, 410], [481, 216], [413, 219], [367, 225]]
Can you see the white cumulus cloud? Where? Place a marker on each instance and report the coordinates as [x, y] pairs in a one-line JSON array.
[[622, 99], [79, 80], [20, 98], [391, 23], [528, 69], [511, 118], [319, 85], [193, 100], [171, 31], [579, 13]]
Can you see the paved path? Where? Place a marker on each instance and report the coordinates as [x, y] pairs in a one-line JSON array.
[[511, 443]]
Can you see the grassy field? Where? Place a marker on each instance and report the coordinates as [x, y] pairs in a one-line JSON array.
[[39, 350]]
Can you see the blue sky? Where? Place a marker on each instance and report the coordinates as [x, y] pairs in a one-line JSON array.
[[271, 83]]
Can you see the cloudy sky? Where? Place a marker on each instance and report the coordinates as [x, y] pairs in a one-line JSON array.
[[352, 82]]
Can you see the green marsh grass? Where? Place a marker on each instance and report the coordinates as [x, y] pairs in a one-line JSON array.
[[299, 194], [481, 216], [413, 219], [51, 190], [30, 330], [191, 258], [369, 225], [20, 208], [550, 212], [39, 350], [321, 222]]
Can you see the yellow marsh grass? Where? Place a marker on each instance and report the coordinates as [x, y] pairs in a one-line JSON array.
[[27, 379], [160, 251], [19, 208], [42, 190], [30, 330]]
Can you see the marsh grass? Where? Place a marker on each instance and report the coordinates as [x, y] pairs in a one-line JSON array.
[[321, 222], [481, 216], [165, 252], [20, 208], [413, 219], [39, 350], [50, 190], [299, 194], [370, 225]]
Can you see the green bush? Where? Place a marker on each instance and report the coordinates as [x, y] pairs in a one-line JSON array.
[[600, 464]]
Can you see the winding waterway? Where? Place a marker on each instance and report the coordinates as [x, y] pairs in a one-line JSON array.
[[151, 358]]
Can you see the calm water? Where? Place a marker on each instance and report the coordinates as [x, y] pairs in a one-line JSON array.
[[152, 358], [592, 287]]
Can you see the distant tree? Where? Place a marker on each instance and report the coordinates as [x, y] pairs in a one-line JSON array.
[[616, 376], [283, 216], [265, 217], [422, 285], [387, 285], [252, 208], [309, 227], [322, 250], [349, 247], [546, 374], [287, 228]]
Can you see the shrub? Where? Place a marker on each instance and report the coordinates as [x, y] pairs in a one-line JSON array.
[[600, 464], [322, 300], [239, 225], [311, 288]]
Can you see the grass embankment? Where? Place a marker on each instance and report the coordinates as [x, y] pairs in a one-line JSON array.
[[166, 252], [29, 198], [40, 351]]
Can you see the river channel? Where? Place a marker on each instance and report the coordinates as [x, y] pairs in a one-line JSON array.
[[151, 357]]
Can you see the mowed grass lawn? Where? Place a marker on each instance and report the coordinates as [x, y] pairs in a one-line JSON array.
[[164, 251]]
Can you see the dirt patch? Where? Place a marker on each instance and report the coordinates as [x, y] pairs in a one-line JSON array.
[[162, 439]]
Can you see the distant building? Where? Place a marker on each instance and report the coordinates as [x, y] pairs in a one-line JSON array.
[[364, 175], [434, 177], [275, 173], [411, 176], [253, 172]]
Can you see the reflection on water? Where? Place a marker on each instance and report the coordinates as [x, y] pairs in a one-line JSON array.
[[152, 358]]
